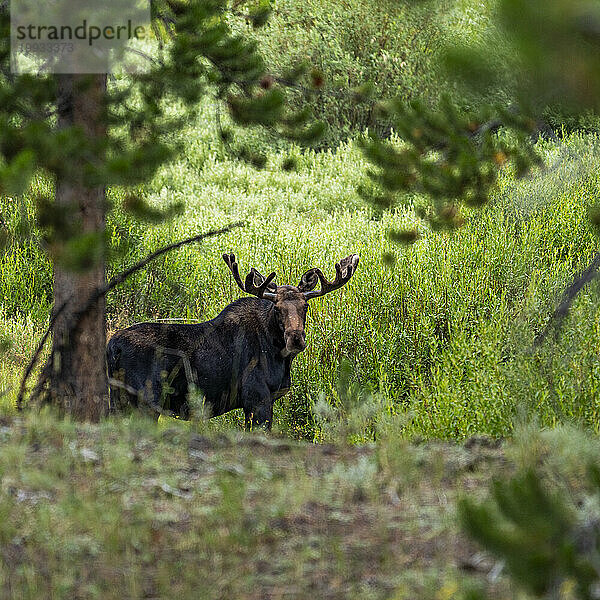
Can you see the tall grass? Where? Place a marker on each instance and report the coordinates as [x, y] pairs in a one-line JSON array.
[[442, 337]]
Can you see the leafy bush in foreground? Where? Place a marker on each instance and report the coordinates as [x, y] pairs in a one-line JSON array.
[[543, 522]]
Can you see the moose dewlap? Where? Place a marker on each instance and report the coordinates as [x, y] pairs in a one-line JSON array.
[[240, 359]]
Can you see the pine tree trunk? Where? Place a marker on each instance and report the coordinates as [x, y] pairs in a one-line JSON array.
[[79, 385]]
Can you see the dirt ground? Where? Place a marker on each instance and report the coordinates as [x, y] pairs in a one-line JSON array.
[[125, 510]]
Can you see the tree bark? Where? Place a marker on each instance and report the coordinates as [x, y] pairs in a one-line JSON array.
[[78, 384]]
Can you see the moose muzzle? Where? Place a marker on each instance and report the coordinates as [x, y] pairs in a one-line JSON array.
[[295, 341]]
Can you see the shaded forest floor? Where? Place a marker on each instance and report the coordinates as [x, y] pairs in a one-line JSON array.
[[131, 510]]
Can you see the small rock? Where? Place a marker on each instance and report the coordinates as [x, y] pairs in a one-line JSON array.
[[30, 497], [199, 455], [233, 469], [477, 562], [168, 489], [89, 455]]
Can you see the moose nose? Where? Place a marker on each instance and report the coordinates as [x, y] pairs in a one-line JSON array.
[[295, 341]]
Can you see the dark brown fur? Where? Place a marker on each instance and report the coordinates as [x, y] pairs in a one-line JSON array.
[[239, 359]]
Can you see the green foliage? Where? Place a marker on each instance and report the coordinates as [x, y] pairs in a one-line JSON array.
[[547, 543], [16, 175], [565, 120], [135, 205], [199, 53], [464, 168], [531, 529], [451, 154], [352, 418], [442, 338], [543, 55], [341, 46], [557, 43], [542, 520]]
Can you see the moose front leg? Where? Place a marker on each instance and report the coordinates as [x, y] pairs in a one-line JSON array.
[[258, 408]]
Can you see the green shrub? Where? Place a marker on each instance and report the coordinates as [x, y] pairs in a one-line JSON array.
[[542, 522], [350, 42], [442, 337], [567, 121]]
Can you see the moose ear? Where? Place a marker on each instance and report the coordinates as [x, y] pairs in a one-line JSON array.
[[308, 281], [258, 279]]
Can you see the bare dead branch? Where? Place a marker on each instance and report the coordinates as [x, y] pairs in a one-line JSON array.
[[115, 383], [36, 355], [151, 402], [121, 277], [191, 380], [569, 295]]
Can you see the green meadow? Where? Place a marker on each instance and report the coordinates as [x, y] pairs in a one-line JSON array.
[[436, 336]]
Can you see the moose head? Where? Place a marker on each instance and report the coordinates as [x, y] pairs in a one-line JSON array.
[[291, 302]]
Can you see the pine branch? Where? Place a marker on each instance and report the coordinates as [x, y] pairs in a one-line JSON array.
[[145, 56]]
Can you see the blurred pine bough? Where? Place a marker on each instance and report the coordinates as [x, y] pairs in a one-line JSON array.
[[397, 49], [542, 524]]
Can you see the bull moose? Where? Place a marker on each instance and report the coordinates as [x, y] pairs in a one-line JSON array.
[[239, 359]]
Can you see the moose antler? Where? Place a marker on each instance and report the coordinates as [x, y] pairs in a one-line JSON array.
[[343, 271], [256, 283]]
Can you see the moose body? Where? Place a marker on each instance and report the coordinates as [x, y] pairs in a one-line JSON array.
[[240, 359], [235, 360]]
